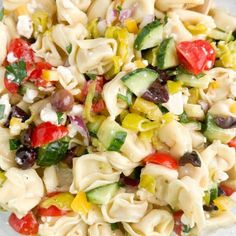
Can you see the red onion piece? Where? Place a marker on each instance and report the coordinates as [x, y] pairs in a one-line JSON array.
[[112, 16], [125, 14], [81, 127]]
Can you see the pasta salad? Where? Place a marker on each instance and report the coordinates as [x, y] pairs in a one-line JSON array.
[[117, 118]]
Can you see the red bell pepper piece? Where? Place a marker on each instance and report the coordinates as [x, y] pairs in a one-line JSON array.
[[46, 133], [227, 190], [161, 158], [28, 225], [196, 56], [51, 211], [232, 143]]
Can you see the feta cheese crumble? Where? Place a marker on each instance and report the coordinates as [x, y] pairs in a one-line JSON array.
[[4, 100], [48, 114], [30, 95], [25, 26], [11, 57]]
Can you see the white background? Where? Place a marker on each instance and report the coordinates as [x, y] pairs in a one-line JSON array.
[[5, 229]]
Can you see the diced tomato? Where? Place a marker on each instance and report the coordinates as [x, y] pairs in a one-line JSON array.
[[11, 86], [36, 74], [161, 158], [178, 224], [196, 56], [227, 190], [51, 211], [46, 133], [99, 86], [232, 143], [28, 225], [98, 106], [21, 50]]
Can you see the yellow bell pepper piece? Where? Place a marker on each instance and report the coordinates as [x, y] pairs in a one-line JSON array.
[[174, 86], [148, 182], [131, 25], [50, 75], [197, 29], [150, 109], [194, 95], [224, 203], [133, 122], [62, 201], [80, 204], [233, 108], [214, 85]]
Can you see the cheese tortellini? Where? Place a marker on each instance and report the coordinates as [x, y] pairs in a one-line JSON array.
[[124, 207], [22, 195]]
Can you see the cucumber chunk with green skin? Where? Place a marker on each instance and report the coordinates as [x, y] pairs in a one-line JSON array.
[[103, 194], [150, 36], [192, 81], [213, 132], [111, 135], [139, 80], [167, 55]]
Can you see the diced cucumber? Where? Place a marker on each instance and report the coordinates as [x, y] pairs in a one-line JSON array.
[[94, 126], [111, 135], [214, 132], [220, 35], [151, 56], [167, 55], [103, 194], [192, 81], [150, 36], [139, 80]]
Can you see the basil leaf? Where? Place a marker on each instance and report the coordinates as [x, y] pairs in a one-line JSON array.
[[69, 48], [1, 14], [53, 153], [14, 144], [59, 117], [183, 118], [2, 109], [16, 72], [119, 8]]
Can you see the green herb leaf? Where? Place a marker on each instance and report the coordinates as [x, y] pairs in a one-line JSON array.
[[69, 48], [2, 109], [60, 117], [186, 229], [1, 14], [91, 76], [119, 8], [114, 226], [183, 118], [165, 19], [53, 153], [16, 72], [14, 144]]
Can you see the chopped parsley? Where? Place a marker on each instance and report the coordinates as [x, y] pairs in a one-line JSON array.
[[59, 117], [114, 226], [69, 48], [2, 109], [119, 8], [14, 144], [16, 72]]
